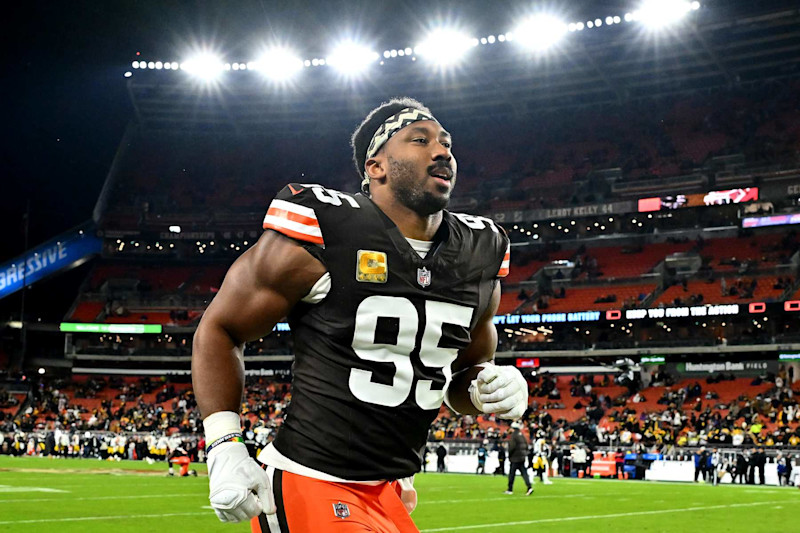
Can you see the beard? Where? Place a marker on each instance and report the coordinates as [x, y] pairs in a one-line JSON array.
[[409, 189]]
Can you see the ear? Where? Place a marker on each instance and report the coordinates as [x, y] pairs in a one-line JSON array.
[[376, 167]]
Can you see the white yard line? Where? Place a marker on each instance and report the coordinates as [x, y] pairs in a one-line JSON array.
[[598, 516], [11, 488], [89, 498], [520, 493], [89, 518]]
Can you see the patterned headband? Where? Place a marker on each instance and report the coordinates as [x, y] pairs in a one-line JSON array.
[[392, 125]]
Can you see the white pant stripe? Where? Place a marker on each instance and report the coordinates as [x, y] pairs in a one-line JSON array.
[[272, 519]]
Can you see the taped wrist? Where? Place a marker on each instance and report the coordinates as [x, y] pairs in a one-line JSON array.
[[220, 425]]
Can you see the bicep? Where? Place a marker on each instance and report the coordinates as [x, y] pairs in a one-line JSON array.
[[262, 286], [484, 337]]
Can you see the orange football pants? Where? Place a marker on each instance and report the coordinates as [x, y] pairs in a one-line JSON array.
[[310, 505]]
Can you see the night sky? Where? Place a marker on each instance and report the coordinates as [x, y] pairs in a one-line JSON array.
[[67, 105], [68, 102]]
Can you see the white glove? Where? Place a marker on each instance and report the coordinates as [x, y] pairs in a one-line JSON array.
[[500, 390], [408, 494], [233, 477]]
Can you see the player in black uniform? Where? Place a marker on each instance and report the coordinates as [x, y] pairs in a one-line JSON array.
[[390, 299]]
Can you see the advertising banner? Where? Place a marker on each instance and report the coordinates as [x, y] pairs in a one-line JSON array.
[[47, 259]]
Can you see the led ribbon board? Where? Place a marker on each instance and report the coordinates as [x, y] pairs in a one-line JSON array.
[[128, 329]]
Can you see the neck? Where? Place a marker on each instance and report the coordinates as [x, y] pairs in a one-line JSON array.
[[410, 223]]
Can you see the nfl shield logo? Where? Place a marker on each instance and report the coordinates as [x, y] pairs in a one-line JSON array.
[[341, 510], [423, 277]]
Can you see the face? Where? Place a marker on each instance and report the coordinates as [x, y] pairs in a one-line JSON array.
[[421, 169]]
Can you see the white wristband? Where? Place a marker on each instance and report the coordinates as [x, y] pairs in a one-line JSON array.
[[220, 424]]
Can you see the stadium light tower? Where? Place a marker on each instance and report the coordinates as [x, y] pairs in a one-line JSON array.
[[445, 47], [278, 64], [540, 32], [352, 58], [658, 14], [204, 66]]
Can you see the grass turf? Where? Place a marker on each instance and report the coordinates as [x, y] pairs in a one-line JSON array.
[[43, 495]]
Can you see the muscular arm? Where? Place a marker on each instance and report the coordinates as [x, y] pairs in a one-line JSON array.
[[259, 290], [480, 350]]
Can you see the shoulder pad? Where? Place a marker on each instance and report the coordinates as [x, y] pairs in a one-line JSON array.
[[294, 211], [502, 243]]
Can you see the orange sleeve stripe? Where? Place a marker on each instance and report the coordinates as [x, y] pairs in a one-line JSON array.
[[503, 272], [294, 217], [295, 234]]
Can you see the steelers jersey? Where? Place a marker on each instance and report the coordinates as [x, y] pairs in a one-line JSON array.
[[373, 358]]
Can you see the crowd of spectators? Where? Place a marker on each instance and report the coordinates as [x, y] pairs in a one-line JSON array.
[[150, 414]]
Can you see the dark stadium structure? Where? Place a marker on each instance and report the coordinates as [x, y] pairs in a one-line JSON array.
[[650, 187]]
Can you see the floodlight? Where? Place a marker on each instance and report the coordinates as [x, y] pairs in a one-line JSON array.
[[128, 74], [204, 66], [660, 13], [277, 64], [351, 58], [540, 32], [445, 47]]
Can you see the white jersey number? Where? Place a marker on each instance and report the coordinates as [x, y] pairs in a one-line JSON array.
[[402, 313]]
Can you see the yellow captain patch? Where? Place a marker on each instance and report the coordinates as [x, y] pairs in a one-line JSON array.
[[371, 267]]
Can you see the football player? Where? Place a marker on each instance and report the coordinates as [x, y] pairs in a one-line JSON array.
[[391, 300], [541, 454]]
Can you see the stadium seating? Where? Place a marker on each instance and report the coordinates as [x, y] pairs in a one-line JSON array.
[[86, 312], [628, 262], [580, 299], [712, 292], [727, 254]]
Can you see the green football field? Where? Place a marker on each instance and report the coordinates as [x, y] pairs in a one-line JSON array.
[[42, 495]]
